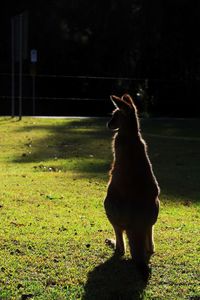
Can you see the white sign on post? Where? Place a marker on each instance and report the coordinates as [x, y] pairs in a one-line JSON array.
[[33, 55]]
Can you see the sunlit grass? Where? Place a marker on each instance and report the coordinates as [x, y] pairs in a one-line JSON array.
[[53, 182]]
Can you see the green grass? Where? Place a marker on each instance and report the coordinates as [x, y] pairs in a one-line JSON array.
[[53, 182]]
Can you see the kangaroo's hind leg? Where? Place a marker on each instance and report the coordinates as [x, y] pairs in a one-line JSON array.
[[119, 243], [150, 241], [137, 243]]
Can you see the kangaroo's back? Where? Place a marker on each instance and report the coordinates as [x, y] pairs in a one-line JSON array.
[[132, 201], [131, 173]]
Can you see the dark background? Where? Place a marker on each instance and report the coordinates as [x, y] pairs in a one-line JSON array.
[[90, 49]]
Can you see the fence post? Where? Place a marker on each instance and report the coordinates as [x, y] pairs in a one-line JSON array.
[[12, 69]]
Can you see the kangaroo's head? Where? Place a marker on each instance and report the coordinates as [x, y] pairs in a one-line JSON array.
[[124, 117]]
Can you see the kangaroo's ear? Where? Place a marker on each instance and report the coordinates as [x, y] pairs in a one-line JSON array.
[[119, 103], [115, 100], [127, 98]]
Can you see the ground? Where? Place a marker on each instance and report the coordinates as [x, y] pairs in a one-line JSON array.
[[53, 181]]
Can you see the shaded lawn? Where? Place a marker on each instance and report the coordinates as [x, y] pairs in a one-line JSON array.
[[77, 145], [53, 226]]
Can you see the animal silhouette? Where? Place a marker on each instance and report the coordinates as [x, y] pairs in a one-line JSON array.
[[132, 203]]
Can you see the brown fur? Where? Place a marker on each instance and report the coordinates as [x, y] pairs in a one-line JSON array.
[[131, 203]]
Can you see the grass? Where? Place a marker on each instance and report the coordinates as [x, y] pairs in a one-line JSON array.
[[52, 185]]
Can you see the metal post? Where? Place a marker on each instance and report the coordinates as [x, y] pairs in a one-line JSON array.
[[33, 93], [33, 74], [20, 64], [13, 69]]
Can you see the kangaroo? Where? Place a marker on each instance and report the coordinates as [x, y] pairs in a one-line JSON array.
[[132, 203]]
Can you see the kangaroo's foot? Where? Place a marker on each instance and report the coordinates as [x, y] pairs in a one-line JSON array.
[[110, 243], [113, 245]]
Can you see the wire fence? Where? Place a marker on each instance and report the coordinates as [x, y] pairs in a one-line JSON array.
[[61, 94], [88, 95]]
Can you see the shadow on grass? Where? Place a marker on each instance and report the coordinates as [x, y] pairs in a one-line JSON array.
[[77, 145], [84, 146], [176, 166], [115, 279], [174, 148]]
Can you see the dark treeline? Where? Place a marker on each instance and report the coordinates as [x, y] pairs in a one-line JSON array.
[[156, 40]]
